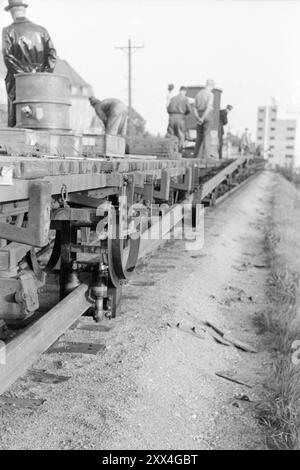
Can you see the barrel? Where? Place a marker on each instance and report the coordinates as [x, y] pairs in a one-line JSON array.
[[43, 101]]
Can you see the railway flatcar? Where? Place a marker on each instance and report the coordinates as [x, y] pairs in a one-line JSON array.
[[75, 206]]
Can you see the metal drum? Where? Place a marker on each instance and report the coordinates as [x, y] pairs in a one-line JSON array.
[[43, 101]]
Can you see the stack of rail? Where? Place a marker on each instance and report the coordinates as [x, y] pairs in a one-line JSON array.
[[162, 148]]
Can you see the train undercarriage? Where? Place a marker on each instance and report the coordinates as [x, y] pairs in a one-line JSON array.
[[85, 219], [88, 221]]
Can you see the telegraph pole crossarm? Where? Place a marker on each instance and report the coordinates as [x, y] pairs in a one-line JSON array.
[[130, 49]]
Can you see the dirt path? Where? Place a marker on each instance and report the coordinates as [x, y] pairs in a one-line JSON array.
[[155, 386]]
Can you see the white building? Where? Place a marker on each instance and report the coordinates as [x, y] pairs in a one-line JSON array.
[[278, 134], [82, 113]]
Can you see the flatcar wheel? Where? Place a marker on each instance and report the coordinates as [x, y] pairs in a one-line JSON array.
[[122, 255], [55, 254], [32, 256]]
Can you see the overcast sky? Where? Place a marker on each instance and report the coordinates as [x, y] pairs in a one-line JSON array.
[[250, 48]]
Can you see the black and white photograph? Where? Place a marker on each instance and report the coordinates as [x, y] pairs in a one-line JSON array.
[[149, 228]]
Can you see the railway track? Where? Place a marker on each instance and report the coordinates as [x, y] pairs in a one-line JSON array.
[[21, 348]]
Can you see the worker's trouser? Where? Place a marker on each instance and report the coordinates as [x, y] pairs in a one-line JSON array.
[[116, 123], [11, 96], [202, 146], [221, 134], [177, 127]]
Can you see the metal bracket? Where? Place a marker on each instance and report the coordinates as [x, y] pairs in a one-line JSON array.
[[11, 255], [27, 295], [187, 183], [37, 231], [165, 182], [147, 190], [71, 214]]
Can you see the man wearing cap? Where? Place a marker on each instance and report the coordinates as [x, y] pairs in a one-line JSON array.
[[203, 110], [223, 121], [26, 47], [113, 113], [178, 108]]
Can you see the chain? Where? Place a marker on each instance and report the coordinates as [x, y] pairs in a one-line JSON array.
[[64, 195]]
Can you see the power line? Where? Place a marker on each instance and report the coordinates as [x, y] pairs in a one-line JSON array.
[[130, 49]]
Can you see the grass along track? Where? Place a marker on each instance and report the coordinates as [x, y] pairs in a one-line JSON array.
[[280, 322]]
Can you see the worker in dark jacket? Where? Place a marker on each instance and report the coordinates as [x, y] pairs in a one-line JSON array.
[[223, 121], [26, 47], [113, 113], [178, 108]]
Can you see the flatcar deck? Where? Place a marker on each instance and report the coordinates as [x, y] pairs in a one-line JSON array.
[[82, 174]]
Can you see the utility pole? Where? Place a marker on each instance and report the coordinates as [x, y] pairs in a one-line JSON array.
[[130, 49]]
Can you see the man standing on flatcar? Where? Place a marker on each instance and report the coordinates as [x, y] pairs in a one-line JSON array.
[[223, 121], [178, 108], [203, 110], [245, 142], [26, 47]]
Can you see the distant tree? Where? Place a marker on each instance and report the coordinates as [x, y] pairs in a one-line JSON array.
[[136, 125]]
